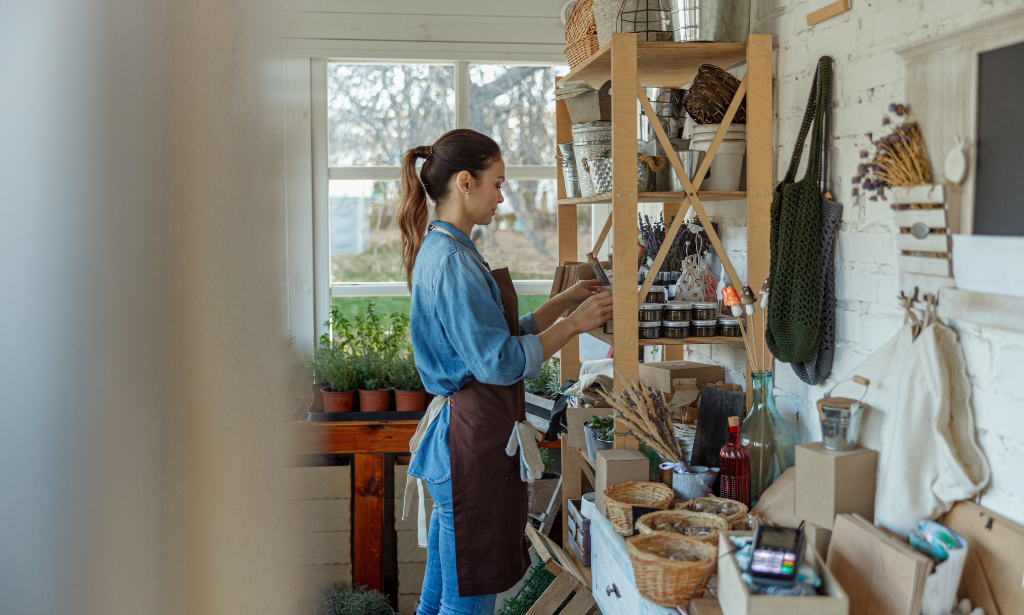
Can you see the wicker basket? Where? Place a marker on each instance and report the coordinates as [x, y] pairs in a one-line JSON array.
[[732, 511], [709, 96], [669, 582], [580, 34], [680, 521], [620, 499]]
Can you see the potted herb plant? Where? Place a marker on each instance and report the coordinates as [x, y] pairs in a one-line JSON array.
[[375, 385], [340, 600], [598, 433], [547, 383], [540, 491], [339, 373], [373, 343], [409, 393]]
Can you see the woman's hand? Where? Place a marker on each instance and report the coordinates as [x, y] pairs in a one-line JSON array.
[[594, 312], [581, 291]]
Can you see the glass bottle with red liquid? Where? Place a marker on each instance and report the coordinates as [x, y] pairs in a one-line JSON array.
[[734, 466]]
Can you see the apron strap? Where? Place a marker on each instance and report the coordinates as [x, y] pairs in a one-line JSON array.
[[433, 410]]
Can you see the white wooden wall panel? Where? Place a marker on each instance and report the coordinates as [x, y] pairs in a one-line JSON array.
[[299, 202], [446, 28], [489, 8]]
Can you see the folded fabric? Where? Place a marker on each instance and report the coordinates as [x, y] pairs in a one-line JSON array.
[[595, 377]]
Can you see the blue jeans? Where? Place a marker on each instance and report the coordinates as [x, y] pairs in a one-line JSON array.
[[440, 594]]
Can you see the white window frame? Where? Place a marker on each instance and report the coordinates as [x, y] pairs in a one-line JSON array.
[[323, 173]]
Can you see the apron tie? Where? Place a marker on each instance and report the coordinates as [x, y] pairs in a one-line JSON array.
[[524, 437], [433, 410]]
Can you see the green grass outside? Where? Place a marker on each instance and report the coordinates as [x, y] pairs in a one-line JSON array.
[[352, 306]]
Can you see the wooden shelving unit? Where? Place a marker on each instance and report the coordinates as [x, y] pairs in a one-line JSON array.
[[632, 65]]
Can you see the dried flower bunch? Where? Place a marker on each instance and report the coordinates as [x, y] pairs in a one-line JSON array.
[[647, 418], [900, 158], [691, 240]]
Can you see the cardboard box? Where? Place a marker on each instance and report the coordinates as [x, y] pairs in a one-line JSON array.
[[994, 569], [818, 537], [829, 483], [659, 375], [735, 598], [616, 466]]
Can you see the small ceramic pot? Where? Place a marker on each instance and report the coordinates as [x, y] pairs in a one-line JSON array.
[[338, 401], [410, 401], [374, 401]]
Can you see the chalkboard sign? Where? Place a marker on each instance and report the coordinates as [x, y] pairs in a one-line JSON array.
[[999, 195]]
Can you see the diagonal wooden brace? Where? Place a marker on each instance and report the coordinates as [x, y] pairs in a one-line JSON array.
[[691, 188]]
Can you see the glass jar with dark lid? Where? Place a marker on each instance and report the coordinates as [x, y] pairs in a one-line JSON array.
[[650, 330], [656, 294], [675, 329], [729, 326], [703, 328], [705, 310], [650, 312], [677, 311]]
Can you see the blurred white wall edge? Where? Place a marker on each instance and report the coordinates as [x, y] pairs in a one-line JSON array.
[[141, 319]]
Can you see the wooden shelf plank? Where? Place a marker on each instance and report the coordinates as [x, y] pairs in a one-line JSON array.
[[667, 341], [661, 64], [657, 197]]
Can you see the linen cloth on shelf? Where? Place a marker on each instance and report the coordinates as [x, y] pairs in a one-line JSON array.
[[594, 376], [919, 419]]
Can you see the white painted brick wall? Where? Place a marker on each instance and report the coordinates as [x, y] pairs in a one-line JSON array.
[[868, 75]]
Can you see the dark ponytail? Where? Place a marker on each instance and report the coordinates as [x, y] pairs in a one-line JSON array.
[[458, 150]]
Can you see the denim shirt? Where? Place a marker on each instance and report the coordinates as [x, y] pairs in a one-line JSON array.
[[459, 333]]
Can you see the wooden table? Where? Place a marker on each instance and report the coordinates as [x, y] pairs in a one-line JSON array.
[[367, 442]]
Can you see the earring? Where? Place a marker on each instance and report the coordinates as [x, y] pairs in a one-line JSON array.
[[467, 192]]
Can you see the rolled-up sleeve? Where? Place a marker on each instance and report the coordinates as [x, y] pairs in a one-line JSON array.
[[528, 325], [476, 328]]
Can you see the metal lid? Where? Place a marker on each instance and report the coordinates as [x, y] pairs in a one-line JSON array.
[[705, 323], [705, 305], [649, 325], [728, 320], [676, 324], [678, 305], [655, 288], [651, 306]]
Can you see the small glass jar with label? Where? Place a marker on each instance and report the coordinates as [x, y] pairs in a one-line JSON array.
[[705, 310], [677, 311], [650, 330], [650, 312], [608, 328], [729, 326], [675, 329], [703, 328]]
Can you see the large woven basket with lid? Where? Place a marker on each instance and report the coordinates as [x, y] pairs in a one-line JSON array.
[[580, 34]]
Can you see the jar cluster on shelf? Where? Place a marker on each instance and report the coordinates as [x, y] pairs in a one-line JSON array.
[[681, 319]]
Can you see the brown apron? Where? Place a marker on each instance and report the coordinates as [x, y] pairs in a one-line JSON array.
[[490, 499]]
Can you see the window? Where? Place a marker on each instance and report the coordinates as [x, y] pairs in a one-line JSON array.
[[377, 112]]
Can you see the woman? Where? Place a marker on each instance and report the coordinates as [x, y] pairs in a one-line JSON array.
[[473, 351]]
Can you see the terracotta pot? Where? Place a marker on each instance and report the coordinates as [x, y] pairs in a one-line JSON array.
[[410, 401], [338, 401], [374, 401], [318, 397]]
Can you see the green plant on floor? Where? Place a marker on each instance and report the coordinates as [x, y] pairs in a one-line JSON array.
[[548, 381], [536, 584], [340, 600], [338, 370], [548, 464], [405, 375]]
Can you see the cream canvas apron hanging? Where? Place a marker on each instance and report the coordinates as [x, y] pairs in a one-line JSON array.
[[919, 419]]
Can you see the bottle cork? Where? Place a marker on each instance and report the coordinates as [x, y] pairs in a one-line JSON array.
[[734, 421]]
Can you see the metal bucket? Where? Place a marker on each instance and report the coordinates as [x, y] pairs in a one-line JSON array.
[[600, 170], [668, 181], [570, 174], [698, 20], [668, 106], [840, 422], [590, 140], [694, 484]]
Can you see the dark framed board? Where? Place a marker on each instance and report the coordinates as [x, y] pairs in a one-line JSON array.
[[999, 186]]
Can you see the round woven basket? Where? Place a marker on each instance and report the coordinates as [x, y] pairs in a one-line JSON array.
[[669, 567], [709, 96], [735, 513], [700, 526], [580, 34], [620, 499]]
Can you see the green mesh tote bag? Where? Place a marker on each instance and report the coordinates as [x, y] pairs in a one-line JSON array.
[[815, 370], [794, 304]]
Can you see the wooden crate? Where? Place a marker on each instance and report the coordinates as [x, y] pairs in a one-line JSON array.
[[321, 516], [320, 522], [322, 483], [311, 579], [409, 551], [322, 548], [579, 532]]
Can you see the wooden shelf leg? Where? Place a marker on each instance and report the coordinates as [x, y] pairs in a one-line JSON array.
[[368, 520]]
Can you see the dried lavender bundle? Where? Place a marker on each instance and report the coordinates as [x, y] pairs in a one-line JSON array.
[[900, 158], [646, 416]]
